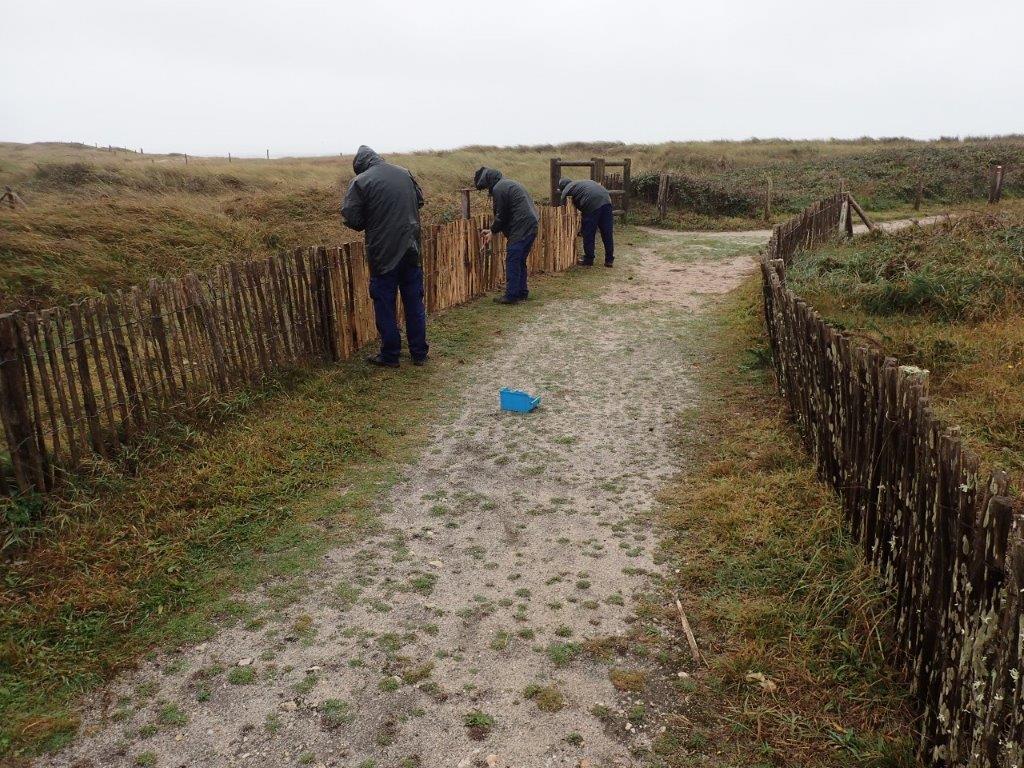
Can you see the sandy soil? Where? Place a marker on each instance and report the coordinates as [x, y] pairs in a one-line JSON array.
[[455, 635]]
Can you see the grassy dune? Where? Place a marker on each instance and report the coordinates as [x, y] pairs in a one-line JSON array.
[[98, 220], [949, 298]]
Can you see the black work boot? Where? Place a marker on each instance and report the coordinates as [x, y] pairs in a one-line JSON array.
[[505, 300], [380, 362], [584, 263]]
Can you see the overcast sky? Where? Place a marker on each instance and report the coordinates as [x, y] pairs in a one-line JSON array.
[[322, 76]]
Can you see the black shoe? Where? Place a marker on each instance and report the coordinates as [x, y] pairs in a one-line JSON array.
[[584, 263], [608, 264], [380, 362], [419, 361], [505, 300]]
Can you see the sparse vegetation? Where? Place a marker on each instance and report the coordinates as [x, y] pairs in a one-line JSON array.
[[562, 654], [628, 680], [334, 713], [547, 697], [242, 676], [479, 724]]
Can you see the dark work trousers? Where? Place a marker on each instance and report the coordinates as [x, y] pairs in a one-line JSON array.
[[407, 279], [601, 219], [515, 267]]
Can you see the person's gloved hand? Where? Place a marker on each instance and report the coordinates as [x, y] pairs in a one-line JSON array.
[[485, 235]]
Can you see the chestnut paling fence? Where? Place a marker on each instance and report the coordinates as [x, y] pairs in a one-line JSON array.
[[946, 540], [76, 382]]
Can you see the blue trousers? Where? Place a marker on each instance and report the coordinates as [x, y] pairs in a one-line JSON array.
[[600, 219], [407, 279], [515, 267]]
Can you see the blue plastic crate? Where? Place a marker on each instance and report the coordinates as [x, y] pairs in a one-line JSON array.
[[518, 401]]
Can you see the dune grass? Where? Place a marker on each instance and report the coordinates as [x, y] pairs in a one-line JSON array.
[[949, 298], [99, 220]]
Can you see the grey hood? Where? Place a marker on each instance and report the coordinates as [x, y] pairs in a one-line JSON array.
[[365, 159], [384, 201], [563, 183], [486, 178]]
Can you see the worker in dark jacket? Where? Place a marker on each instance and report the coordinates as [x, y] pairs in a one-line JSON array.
[[384, 200], [516, 216], [593, 201]]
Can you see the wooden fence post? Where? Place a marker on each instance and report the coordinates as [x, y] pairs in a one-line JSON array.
[[464, 205], [662, 195], [860, 212], [768, 199], [995, 183], [627, 176], [918, 194], [597, 169], [555, 176]]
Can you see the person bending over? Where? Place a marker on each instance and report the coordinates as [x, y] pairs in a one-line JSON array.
[[384, 201], [593, 201], [516, 216]]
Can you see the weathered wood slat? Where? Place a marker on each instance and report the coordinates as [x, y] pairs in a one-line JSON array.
[[947, 543], [98, 372]]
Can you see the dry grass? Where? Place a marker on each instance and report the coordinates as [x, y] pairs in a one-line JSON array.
[[793, 625], [100, 220], [948, 298]]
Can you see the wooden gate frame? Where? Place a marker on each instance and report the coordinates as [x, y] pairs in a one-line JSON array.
[[597, 166]]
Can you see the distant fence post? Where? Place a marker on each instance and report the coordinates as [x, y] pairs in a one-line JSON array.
[[662, 195], [556, 173], [464, 206], [768, 198], [627, 175], [918, 194], [597, 169], [995, 184]]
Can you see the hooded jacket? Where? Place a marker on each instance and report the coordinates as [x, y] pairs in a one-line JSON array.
[[586, 195], [514, 211], [383, 200]]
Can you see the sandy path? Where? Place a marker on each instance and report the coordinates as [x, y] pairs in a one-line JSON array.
[[509, 544]]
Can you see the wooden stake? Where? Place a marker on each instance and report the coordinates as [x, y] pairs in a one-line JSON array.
[[554, 177], [663, 184], [694, 651], [860, 212]]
